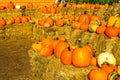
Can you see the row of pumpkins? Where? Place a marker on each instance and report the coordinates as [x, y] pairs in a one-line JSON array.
[[80, 56], [30, 5], [86, 22]]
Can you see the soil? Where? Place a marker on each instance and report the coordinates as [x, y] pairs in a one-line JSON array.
[[14, 59]]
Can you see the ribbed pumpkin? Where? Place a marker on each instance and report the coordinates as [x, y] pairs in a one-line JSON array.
[[81, 56], [114, 21]]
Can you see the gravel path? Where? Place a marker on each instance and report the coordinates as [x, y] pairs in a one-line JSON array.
[[14, 60]]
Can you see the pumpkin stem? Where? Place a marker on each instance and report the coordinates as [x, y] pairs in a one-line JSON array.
[[85, 12], [79, 42], [68, 48], [114, 23]]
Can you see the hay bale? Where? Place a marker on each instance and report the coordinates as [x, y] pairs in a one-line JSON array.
[[2, 33], [44, 68]]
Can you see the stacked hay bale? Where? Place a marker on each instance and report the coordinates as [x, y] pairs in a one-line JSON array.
[[2, 33]]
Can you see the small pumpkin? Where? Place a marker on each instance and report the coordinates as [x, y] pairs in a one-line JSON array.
[[2, 22], [10, 5], [76, 25], [36, 46], [97, 74], [112, 31], [41, 22], [17, 19], [59, 22], [24, 19], [106, 57], [84, 27], [49, 20], [101, 30], [29, 5]]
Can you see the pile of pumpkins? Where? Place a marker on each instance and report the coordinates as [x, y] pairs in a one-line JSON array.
[[80, 56]]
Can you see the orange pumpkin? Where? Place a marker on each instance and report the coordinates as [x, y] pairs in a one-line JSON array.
[[49, 20], [81, 56], [24, 19], [68, 5], [97, 74], [112, 31], [46, 50], [97, 6], [44, 9], [61, 45], [2, 22], [10, 5], [29, 5], [100, 29], [66, 55], [95, 17], [47, 41], [17, 19], [84, 18], [109, 68], [118, 78], [59, 22], [76, 25], [41, 22], [89, 48], [74, 5]]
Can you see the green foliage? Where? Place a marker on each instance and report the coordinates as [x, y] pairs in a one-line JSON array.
[[92, 1]]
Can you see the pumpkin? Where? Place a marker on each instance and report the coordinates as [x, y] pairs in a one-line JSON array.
[[95, 17], [112, 31], [97, 74], [68, 5], [49, 20], [10, 21], [52, 10], [118, 78], [10, 5], [66, 55], [41, 22], [44, 9], [46, 50], [109, 67], [29, 5], [61, 45], [2, 22], [17, 19], [74, 5], [114, 21], [97, 6], [106, 57], [87, 6], [24, 19], [76, 25], [84, 18], [100, 29], [59, 22], [92, 6], [81, 56]]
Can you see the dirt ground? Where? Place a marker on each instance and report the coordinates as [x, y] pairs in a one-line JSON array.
[[14, 60]]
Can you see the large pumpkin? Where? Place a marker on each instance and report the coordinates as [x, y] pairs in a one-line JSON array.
[[81, 57]]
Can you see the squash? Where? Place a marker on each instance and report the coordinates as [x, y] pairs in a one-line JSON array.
[[106, 57], [113, 76]]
